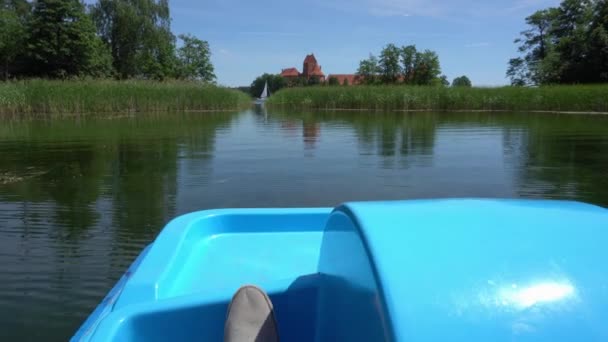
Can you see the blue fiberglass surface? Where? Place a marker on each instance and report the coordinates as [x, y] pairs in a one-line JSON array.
[[471, 270], [182, 287], [458, 270]]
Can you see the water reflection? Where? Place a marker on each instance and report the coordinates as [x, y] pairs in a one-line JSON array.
[[79, 199]]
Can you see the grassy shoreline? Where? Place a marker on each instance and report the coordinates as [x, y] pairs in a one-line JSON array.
[[55, 98], [576, 99]]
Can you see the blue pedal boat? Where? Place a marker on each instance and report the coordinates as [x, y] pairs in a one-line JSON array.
[[428, 270]]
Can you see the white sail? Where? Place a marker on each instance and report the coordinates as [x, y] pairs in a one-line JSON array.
[[264, 92]]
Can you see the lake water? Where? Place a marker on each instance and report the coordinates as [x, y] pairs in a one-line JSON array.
[[79, 199]]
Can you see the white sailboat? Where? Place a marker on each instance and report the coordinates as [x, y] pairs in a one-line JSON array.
[[264, 94]]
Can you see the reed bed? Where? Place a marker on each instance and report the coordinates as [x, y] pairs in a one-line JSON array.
[[576, 98], [46, 97]]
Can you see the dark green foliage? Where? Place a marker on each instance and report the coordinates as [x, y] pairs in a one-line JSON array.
[[12, 34], [402, 65], [390, 68], [313, 80], [333, 81], [567, 44], [275, 82], [115, 38], [369, 70], [195, 60], [345, 83], [138, 33], [462, 81], [62, 41]]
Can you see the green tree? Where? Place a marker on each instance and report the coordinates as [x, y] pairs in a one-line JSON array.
[[408, 58], [571, 33], [333, 81], [427, 68], [62, 41], [444, 81], [598, 47], [139, 36], [345, 83], [518, 72], [369, 70], [195, 60], [275, 82], [389, 64], [13, 18], [313, 81], [462, 81], [567, 44]]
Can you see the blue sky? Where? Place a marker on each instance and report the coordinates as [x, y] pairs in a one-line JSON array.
[[248, 38]]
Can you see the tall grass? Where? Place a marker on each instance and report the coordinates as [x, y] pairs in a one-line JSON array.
[[40, 97], [579, 98]]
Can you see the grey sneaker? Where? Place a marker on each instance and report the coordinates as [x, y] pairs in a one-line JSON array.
[[250, 317]]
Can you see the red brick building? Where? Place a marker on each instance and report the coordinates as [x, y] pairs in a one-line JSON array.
[[311, 68]]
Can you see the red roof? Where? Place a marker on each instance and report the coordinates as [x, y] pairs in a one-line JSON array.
[[352, 79], [290, 72]]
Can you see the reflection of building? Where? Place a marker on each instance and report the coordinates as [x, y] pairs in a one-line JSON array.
[[310, 133], [311, 68]]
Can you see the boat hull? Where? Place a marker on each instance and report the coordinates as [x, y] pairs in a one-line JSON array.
[[458, 270]]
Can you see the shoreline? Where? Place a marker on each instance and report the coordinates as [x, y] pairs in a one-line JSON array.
[[279, 106]]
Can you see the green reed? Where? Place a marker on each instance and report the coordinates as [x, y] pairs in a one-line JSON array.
[[45, 97], [576, 98]]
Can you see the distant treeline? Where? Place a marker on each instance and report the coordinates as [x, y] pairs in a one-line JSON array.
[[564, 45], [122, 39]]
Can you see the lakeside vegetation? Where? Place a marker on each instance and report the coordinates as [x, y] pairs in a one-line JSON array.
[[56, 98], [576, 98], [567, 44]]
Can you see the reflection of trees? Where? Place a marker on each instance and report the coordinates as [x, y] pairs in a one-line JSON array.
[[134, 160], [67, 178], [566, 157], [400, 137]]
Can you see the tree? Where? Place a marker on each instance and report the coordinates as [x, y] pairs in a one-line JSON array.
[[389, 65], [195, 60], [426, 68], [333, 81], [369, 70], [566, 44], [462, 81], [62, 41], [313, 81], [598, 47], [444, 81], [275, 82], [345, 83], [408, 58], [12, 33], [518, 72], [139, 36]]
